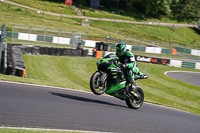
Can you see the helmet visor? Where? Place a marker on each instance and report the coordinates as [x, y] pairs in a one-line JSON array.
[[119, 52]]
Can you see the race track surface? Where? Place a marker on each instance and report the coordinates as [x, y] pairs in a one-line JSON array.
[[189, 77], [48, 107]]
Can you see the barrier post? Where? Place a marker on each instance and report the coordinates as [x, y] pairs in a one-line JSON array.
[[99, 54], [24, 73], [173, 52]]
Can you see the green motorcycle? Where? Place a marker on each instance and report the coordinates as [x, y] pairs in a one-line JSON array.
[[111, 79]]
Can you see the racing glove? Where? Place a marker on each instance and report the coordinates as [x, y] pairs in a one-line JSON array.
[[123, 65]]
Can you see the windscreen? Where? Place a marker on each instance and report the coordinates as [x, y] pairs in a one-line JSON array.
[[111, 55]]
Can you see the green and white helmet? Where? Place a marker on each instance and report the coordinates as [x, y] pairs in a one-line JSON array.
[[120, 48]]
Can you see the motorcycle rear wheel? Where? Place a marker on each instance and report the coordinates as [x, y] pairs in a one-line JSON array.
[[136, 103], [95, 86]]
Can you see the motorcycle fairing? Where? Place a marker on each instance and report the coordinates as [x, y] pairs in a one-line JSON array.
[[116, 87]]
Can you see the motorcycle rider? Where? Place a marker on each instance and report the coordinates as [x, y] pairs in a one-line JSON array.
[[128, 62]]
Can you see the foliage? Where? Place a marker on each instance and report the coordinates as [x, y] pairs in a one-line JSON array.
[[187, 10], [181, 9]]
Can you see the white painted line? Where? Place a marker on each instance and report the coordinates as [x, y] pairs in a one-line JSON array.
[[170, 108], [43, 129], [50, 87], [179, 71]]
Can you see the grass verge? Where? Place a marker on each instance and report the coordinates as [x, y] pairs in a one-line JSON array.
[[75, 72], [50, 6]]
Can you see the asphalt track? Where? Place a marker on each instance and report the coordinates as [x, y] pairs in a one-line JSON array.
[[47, 107], [189, 77]]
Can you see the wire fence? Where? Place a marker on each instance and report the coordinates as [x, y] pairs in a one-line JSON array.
[[46, 37]]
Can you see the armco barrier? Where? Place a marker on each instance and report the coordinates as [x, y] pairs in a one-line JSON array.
[[153, 50], [183, 50], [166, 51], [188, 51], [195, 52], [188, 64], [170, 62], [197, 66], [138, 48], [175, 63], [156, 50]]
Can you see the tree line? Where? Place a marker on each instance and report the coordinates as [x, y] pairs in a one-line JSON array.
[[183, 10], [188, 10]]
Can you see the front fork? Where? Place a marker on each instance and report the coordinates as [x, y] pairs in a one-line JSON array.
[[131, 90], [130, 86], [102, 79]]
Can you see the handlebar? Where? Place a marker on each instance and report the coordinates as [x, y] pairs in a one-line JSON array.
[[144, 76]]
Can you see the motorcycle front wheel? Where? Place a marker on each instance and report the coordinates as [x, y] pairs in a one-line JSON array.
[[135, 102], [95, 85]]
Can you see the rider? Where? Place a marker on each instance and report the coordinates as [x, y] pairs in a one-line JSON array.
[[128, 62]]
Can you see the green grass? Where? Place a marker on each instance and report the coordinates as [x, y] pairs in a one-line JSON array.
[[49, 6], [75, 72], [165, 36], [107, 14], [163, 90], [60, 71]]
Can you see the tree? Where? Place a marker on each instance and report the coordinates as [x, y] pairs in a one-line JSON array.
[[186, 9], [155, 8], [182, 9]]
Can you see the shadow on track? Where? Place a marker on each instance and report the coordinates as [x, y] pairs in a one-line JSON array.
[[84, 99]]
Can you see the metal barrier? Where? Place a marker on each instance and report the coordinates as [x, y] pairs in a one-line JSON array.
[[188, 51]]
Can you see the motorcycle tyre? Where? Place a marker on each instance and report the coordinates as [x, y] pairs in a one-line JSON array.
[[129, 100], [92, 84]]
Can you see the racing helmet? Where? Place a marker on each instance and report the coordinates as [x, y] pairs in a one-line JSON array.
[[120, 48]]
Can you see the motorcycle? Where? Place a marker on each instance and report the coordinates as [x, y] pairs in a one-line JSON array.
[[110, 78]]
